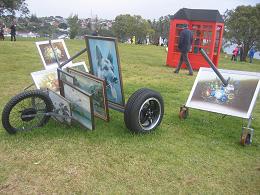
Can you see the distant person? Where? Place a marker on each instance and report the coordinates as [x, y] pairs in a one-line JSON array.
[[13, 32], [133, 39], [2, 36], [241, 52], [234, 54], [184, 46], [251, 54], [95, 33]]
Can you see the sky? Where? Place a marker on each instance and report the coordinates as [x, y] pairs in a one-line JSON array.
[[109, 9]]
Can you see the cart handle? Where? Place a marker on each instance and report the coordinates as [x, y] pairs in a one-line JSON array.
[[224, 81]]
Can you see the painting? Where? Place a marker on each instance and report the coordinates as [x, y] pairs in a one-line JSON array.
[[47, 54], [105, 64], [80, 66], [81, 105], [95, 86], [236, 99], [61, 107], [46, 79]]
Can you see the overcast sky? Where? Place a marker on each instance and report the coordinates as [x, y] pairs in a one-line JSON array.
[[109, 9]]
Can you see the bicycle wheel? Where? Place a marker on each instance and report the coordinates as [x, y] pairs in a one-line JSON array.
[[26, 111]]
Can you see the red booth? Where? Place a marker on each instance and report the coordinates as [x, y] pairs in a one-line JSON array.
[[207, 27]]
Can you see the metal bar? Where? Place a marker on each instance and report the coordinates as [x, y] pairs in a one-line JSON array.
[[204, 54], [28, 87], [249, 122], [73, 57], [116, 108], [55, 55]]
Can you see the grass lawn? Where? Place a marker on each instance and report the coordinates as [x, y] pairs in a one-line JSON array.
[[200, 155]]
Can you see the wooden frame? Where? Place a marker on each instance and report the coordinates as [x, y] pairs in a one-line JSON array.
[[82, 105], [87, 82], [105, 64]]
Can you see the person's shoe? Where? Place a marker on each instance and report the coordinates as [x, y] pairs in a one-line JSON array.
[[190, 74], [176, 71]]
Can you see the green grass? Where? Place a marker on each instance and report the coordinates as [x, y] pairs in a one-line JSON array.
[[200, 155]]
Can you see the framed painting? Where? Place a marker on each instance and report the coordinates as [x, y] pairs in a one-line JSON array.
[[236, 99], [46, 79], [95, 86], [61, 107], [80, 66], [81, 105], [64, 76], [47, 55], [105, 64]]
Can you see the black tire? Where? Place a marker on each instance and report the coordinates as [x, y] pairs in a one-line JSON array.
[[144, 111], [15, 116]]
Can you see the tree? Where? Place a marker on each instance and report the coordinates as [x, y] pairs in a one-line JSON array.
[[242, 26], [73, 23], [126, 26], [10, 7]]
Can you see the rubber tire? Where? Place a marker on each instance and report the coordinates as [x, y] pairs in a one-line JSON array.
[[16, 99], [131, 114]]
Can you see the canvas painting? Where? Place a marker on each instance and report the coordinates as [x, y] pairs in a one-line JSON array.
[[236, 99], [105, 64], [81, 105], [61, 107], [80, 66], [46, 79], [94, 86], [64, 76], [47, 54]]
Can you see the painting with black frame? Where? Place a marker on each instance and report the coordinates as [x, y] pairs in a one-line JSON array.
[[94, 86], [81, 104], [105, 64]]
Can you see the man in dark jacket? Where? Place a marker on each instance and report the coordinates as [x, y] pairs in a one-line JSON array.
[[184, 46], [13, 32]]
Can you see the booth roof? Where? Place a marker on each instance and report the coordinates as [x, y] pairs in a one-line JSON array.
[[203, 15]]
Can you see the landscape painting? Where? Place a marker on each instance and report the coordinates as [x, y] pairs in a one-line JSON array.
[[94, 86], [81, 105]]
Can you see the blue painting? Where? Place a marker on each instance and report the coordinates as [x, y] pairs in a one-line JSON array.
[[105, 65]]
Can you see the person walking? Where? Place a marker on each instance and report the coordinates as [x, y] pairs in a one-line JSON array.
[[13, 32], [251, 54], [184, 46]]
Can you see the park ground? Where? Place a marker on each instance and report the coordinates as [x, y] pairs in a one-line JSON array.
[[200, 155]]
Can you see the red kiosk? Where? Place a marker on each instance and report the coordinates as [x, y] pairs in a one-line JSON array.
[[207, 27]]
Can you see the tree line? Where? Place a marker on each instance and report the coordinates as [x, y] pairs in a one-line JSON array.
[[242, 25]]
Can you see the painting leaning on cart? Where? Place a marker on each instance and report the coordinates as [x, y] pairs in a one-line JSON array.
[[94, 86], [236, 99], [105, 64], [82, 107], [48, 56], [62, 107], [46, 79]]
